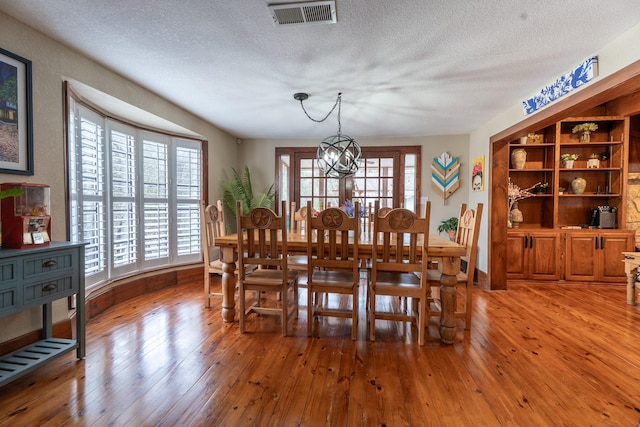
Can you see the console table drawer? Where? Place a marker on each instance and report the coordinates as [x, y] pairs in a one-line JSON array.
[[8, 271], [49, 290], [9, 300], [9, 287], [48, 264]]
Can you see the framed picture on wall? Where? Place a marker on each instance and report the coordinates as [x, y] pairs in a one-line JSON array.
[[477, 174], [16, 122]]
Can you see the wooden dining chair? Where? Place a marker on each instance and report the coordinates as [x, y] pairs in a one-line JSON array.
[[299, 217], [298, 261], [212, 223], [467, 235], [375, 211], [400, 239], [333, 264], [292, 214], [372, 214], [265, 247]]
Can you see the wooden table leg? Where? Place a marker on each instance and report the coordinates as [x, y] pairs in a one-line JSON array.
[[228, 257], [448, 299], [631, 285]]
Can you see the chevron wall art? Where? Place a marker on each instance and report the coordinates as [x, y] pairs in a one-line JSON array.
[[445, 171]]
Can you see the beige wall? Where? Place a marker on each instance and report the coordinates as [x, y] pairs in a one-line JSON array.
[[52, 63], [258, 154]]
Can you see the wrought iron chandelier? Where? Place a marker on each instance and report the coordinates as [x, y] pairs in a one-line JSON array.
[[338, 155]]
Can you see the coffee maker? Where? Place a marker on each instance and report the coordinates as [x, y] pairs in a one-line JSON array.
[[604, 217]]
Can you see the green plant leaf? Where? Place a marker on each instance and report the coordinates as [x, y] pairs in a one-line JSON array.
[[240, 188], [448, 224], [247, 185]]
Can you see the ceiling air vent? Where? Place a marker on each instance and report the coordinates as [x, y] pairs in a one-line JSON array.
[[317, 12]]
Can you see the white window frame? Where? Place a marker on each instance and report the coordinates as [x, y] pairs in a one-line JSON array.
[[188, 202]]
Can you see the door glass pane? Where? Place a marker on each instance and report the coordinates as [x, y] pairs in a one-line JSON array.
[[306, 187], [410, 190], [386, 187], [370, 182], [386, 167], [283, 184]]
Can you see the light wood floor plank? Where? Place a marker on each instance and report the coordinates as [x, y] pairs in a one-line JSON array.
[[537, 354]]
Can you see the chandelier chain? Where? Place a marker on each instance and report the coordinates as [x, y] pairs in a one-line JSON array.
[[338, 156], [337, 104]]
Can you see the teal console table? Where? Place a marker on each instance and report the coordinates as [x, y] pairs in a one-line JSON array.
[[35, 277]]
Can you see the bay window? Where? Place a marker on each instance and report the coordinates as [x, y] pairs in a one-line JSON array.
[[134, 195]]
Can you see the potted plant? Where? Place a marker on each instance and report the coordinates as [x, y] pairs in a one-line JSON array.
[[585, 129], [568, 159], [449, 225], [534, 138], [560, 190], [240, 188], [542, 188]]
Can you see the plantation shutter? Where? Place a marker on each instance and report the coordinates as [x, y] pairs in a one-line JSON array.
[[156, 200]]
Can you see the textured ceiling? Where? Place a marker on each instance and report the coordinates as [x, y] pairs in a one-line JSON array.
[[405, 67]]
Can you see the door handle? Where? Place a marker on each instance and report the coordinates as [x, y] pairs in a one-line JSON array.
[[531, 242], [597, 243], [601, 242]]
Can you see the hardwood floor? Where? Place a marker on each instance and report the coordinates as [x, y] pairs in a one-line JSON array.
[[542, 354]]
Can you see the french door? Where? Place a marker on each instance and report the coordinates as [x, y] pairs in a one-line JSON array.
[[388, 175]]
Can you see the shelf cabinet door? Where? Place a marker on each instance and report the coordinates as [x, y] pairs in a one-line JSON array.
[[581, 256], [516, 254], [611, 246], [534, 255], [545, 256]]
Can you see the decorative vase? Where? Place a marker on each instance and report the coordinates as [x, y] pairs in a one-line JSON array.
[[568, 163], [523, 139], [585, 136], [518, 158], [515, 216], [578, 185]]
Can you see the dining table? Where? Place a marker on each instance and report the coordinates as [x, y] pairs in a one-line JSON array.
[[447, 253]]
